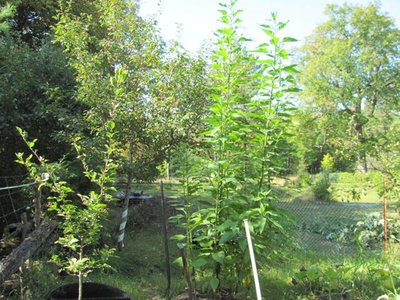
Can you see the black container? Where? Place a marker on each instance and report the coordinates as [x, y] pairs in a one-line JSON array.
[[90, 291]]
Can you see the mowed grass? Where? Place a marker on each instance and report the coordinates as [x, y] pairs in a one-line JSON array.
[[140, 268]]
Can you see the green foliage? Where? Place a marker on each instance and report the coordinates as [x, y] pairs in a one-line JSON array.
[[357, 186], [36, 94], [159, 102], [348, 61], [327, 163], [5, 12], [322, 188], [368, 232], [304, 178], [358, 279], [241, 151], [80, 216]]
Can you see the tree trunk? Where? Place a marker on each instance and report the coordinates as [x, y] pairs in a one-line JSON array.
[[80, 286], [358, 128], [125, 206]]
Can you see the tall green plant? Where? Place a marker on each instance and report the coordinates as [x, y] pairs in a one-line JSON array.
[[188, 219], [240, 152]]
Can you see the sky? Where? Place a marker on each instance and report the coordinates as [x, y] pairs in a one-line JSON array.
[[193, 22]]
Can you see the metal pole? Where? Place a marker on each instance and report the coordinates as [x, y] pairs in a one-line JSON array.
[[166, 248], [253, 259], [385, 225]]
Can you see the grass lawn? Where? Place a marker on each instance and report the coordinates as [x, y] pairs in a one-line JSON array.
[[314, 268]]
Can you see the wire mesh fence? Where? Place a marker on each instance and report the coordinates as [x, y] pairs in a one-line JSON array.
[[341, 228], [335, 228], [13, 199], [330, 227]]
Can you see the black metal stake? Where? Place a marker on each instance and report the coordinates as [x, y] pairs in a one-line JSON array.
[[166, 248]]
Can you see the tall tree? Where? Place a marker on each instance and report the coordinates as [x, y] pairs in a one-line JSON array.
[[156, 98], [350, 72], [36, 84], [36, 88]]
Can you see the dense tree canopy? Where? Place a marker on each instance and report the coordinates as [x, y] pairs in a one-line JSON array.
[[350, 73], [35, 93], [161, 97], [350, 68], [163, 94]]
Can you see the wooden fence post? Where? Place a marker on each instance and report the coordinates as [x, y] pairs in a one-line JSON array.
[[38, 206]]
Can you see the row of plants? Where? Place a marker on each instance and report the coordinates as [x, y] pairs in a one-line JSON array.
[[366, 277], [368, 232]]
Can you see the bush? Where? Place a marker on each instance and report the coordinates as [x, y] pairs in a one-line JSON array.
[[304, 178], [368, 232], [322, 188]]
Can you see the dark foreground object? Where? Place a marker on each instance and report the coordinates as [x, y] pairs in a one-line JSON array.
[[91, 291]]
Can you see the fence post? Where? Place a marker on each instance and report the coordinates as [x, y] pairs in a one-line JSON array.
[[166, 248], [385, 221], [38, 206], [125, 206]]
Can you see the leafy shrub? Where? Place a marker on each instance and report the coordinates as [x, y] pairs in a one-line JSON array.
[[304, 178], [369, 232], [347, 280], [327, 163], [349, 194], [322, 188]]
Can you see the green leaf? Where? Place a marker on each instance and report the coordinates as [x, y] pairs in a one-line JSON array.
[[289, 40], [219, 257], [111, 125], [200, 262], [178, 261], [227, 236], [214, 283], [178, 237]]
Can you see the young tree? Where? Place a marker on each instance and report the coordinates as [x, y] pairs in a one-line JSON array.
[[240, 154], [153, 95], [80, 217], [350, 71]]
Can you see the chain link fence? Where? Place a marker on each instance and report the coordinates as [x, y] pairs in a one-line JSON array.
[[334, 228], [341, 228]]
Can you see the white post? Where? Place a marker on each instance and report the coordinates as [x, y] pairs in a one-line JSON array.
[[253, 259]]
